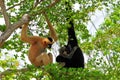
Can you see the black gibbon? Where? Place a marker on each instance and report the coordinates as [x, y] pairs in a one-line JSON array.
[[71, 54], [37, 53]]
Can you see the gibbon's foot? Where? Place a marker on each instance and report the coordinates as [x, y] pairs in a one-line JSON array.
[[62, 64], [51, 57]]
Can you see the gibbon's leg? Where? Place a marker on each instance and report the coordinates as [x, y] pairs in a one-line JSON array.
[[46, 59], [38, 61], [42, 59], [51, 57]]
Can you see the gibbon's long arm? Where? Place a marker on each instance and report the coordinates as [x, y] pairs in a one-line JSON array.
[[52, 30], [71, 34], [25, 37]]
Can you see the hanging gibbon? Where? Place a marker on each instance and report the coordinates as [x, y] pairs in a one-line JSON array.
[[71, 54], [37, 52]]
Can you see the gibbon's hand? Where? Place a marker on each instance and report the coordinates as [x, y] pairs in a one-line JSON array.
[[26, 18]]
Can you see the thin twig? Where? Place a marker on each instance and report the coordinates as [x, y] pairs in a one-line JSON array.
[[15, 5], [53, 4], [93, 23], [37, 2], [49, 6]]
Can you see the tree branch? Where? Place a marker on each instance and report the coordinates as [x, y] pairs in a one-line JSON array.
[[12, 70], [6, 17], [92, 23], [49, 6], [5, 35], [53, 4], [9, 31], [36, 3], [15, 5]]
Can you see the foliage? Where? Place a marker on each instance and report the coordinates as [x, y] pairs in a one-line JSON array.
[[55, 72], [102, 49]]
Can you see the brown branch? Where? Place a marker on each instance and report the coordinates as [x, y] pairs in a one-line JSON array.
[[49, 6], [1, 2], [9, 31], [6, 17], [37, 2], [14, 6], [8, 71], [53, 4]]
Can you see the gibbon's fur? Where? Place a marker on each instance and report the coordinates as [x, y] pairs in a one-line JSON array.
[[37, 53], [71, 55]]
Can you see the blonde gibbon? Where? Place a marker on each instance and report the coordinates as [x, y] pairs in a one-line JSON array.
[[37, 52]]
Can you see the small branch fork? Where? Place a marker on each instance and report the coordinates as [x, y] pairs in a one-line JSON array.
[[11, 27]]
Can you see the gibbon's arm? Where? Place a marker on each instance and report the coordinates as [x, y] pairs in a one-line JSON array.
[[52, 30], [71, 33], [25, 37]]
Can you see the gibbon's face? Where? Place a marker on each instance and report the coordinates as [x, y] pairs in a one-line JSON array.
[[63, 51], [49, 46], [47, 43], [51, 40]]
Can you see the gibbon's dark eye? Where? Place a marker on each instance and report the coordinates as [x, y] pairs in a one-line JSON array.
[[62, 49], [49, 46], [51, 40]]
